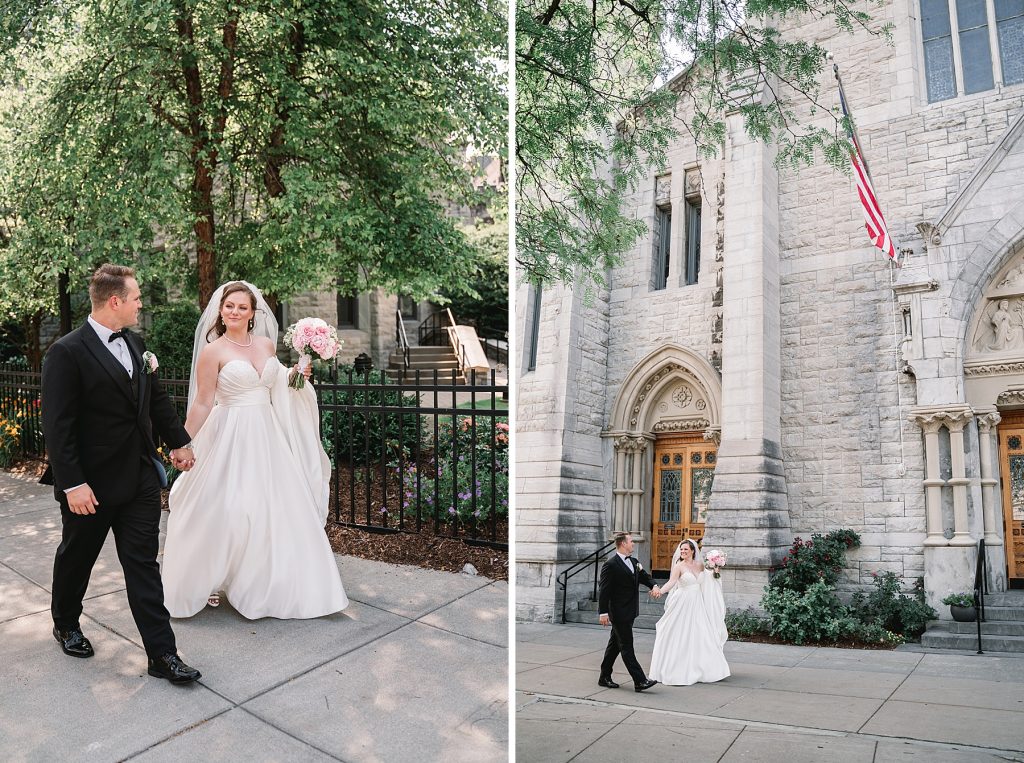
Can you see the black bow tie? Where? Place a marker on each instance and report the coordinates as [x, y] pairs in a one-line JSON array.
[[118, 335]]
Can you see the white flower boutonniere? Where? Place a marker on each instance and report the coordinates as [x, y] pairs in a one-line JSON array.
[[150, 362]]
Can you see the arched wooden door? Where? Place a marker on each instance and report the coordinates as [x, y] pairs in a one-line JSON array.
[[684, 468], [1011, 468]]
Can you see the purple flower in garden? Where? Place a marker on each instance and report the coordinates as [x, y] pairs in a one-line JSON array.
[[476, 513], [383, 511], [451, 509]]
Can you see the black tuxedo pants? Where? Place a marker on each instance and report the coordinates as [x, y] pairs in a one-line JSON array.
[[621, 642], [136, 527]]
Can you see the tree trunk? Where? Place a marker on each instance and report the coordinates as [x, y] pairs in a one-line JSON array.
[[64, 300], [33, 344]]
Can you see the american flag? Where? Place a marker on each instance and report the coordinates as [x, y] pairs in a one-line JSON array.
[[878, 232]]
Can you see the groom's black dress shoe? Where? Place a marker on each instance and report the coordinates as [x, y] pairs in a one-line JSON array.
[[607, 683], [171, 667], [645, 685], [73, 642]]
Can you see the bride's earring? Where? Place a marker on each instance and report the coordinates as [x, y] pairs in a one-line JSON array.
[[252, 324]]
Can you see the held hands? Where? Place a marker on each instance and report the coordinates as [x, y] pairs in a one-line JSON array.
[[655, 593], [82, 500], [183, 458]]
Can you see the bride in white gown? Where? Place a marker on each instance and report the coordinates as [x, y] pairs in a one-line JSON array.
[[691, 634], [248, 518]]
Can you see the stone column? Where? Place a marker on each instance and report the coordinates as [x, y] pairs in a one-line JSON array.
[[628, 490], [987, 431], [748, 517], [933, 483], [955, 422]]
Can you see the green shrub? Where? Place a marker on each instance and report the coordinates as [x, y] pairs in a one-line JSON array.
[[893, 611], [366, 434], [818, 559], [446, 481], [745, 623], [171, 335], [802, 616]]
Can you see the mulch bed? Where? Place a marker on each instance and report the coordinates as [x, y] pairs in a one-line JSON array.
[[423, 549], [28, 467], [845, 644]]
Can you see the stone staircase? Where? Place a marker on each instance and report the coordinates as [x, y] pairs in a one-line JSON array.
[[425, 360], [1002, 630], [650, 611]]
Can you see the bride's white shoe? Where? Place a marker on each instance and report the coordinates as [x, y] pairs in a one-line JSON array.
[[214, 600]]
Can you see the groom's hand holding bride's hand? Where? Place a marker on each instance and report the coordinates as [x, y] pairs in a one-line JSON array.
[[656, 592], [183, 458]]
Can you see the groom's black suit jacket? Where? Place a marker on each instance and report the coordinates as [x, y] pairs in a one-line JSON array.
[[97, 422], [620, 594]]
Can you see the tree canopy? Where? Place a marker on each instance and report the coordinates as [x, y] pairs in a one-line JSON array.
[[281, 141], [590, 123]]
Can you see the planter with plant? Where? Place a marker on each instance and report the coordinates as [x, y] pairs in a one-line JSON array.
[[961, 607]]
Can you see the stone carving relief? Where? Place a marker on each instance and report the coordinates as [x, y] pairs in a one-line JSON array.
[[663, 190], [692, 186], [682, 396], [681, 425], [1012, 396], [1002, 326]]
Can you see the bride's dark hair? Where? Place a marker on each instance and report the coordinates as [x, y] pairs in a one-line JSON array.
[[233, 288]]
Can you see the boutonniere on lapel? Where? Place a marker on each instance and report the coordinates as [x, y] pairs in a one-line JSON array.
[[149, 362], [639, 567]]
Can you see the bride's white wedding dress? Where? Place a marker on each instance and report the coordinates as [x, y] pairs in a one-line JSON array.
[[248, 518], [691, 634]]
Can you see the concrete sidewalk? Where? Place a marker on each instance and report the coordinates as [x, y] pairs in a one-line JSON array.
[[781, 703], [415, 668]]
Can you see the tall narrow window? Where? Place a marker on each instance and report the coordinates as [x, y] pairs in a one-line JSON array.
[[938, 50], [410, 307], [532, 327], [662, 242], [348, 312], [692, 240], [972, 20], [1010, 25]]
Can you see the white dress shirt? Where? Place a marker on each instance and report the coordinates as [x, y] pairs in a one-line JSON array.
[[118, 348]]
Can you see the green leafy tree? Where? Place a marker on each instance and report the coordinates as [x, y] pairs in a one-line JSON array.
[[282, 141], [590, 124]]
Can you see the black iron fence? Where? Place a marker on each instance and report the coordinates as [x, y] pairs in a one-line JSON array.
[[21, 427], [407, 456]]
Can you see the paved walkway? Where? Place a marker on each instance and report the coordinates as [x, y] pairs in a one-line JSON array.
[[414, 669], [781, 703]]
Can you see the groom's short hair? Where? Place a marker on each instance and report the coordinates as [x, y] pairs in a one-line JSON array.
[[109, 281], [620, 538]]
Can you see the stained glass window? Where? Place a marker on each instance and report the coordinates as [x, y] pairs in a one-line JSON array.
[[1017, 487], [1013, 442], [671, 488], [700, 493]]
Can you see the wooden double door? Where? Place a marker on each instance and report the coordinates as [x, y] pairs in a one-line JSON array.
[[684, 468], [1011, 472]]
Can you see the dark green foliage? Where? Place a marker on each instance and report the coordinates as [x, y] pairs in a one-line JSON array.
[[820, 558], [893, 610], [364, 435], [171, 335], [746, 623]]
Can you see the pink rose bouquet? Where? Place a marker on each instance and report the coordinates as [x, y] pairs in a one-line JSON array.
[[310, 336], [714, 560]]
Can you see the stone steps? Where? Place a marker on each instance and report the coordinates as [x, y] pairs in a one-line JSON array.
[[1001, 631]]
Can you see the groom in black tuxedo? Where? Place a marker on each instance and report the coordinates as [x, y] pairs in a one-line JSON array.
[[100, 404], [619, 606]]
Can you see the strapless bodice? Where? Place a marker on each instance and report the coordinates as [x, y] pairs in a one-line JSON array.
[[240, 384]]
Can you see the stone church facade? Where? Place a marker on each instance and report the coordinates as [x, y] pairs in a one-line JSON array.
[[754, 370]]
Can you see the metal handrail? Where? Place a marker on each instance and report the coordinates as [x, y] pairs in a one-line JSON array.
[[563, 577], [980, 588], [402, 339], [433, 325]]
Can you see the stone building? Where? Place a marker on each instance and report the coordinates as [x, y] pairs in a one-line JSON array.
[[755, 371]]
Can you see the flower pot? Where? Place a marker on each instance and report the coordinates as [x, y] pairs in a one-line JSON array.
[[963, 614]]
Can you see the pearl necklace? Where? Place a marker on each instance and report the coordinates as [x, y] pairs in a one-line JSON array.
[[239, 343]]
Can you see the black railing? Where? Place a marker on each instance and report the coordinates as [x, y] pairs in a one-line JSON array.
[[563, 577], [496, 348], [433, 331], [402, 340], [980, 588], [21, 425], [404, 456]]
